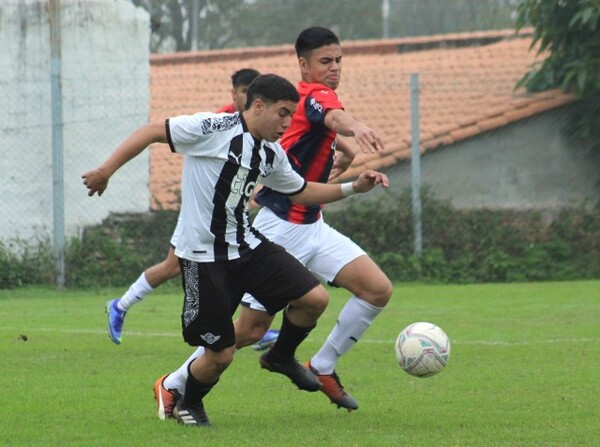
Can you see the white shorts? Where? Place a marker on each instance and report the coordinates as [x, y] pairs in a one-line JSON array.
[[323, 250]]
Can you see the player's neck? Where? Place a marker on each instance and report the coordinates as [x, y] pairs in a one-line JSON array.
[[248, 118]]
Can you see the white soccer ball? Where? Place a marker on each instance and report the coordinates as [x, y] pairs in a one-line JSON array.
[[422, 349]]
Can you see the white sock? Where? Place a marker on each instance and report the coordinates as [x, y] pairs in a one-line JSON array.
[[176, 380], [136, 293], [354, 319]]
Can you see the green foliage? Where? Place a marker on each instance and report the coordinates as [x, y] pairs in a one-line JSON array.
[[116, 252], [459, 246], [462, 246], [570, 32], [23, 263]]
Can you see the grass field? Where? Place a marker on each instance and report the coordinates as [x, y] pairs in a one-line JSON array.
[[524, 371]]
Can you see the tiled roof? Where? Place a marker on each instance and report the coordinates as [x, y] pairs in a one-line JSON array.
[[466, 88]]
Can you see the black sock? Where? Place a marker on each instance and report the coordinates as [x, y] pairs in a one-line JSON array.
[[290, 337], [195, 390]]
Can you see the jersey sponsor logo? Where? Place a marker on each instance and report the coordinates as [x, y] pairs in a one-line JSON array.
[[210, 338], [315, 105], [240, 187]]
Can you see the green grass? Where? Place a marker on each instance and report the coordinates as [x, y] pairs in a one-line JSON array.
[[524, 371]]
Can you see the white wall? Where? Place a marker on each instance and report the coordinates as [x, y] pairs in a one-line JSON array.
[[526, 165], [105, 89]]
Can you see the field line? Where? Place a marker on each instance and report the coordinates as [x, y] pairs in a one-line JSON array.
[[126, 333]]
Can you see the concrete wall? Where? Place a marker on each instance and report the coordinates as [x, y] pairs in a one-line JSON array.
[[105, 92], [527, 165]]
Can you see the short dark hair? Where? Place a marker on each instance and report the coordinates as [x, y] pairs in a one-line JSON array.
[[313, 38], [271, 88], [242, 77]]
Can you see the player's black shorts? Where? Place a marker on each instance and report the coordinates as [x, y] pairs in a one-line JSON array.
[[213, 291]]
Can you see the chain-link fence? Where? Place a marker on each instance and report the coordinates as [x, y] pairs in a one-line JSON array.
[[483, 143]]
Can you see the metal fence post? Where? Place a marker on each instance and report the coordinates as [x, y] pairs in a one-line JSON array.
[[416, 163], [58, 193]]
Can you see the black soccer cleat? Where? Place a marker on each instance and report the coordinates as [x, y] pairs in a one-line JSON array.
[[302, 377], [193, 415]]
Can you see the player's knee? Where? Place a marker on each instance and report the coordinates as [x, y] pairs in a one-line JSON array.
[[317, 301], [382, 293], [222, 359], [376, 293]]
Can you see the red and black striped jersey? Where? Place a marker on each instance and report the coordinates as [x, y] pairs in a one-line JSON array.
[[310, 147]]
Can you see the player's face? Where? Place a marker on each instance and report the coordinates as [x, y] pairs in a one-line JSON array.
[[238, 95], [276, 118], [324, 65]]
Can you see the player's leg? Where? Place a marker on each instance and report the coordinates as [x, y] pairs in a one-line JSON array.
[[371, 292], [344, 264], [279, 281], [206, 321], [250, 326], [150, 279], [299, 318]]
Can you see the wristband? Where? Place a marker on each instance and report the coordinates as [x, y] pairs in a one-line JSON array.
[[347, 189]]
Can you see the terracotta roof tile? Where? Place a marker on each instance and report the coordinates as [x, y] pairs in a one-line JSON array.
[[466, 87]]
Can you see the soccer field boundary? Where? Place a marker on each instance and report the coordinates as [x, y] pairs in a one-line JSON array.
[[82, 331]]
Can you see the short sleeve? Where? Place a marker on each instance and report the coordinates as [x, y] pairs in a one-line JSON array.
[[319, 101]]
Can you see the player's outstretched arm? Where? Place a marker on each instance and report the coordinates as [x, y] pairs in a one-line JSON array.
[[96, 180], [341, 122], [317, 193]]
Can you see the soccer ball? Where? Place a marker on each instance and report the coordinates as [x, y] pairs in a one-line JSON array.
[[422, 349]]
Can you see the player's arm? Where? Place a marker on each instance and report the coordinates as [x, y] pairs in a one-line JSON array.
[[317, 193], [342, 123], [342, 160], [96, 180]]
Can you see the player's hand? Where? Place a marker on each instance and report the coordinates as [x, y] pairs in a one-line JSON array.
[[368, 140], [367, 180], [95, 181], [341, 163]]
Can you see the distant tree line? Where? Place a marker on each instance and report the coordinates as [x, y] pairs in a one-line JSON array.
[[184, 25]]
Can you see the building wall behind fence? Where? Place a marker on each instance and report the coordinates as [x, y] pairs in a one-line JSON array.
[[527, 165], [105, 94]]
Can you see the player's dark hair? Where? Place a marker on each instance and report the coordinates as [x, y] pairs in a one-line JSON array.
[[242, 77], [313, 38], [271, 88]]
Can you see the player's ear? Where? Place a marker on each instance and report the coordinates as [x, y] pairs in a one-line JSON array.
[[258, 105], [303, 64]]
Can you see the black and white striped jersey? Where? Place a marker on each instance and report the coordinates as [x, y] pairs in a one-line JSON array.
[[222, 164]]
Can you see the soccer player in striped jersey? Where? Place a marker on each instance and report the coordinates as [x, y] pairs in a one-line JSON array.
[[168, 268], [310, 144], [221, 255]]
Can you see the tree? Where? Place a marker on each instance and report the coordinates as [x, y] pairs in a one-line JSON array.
[[568, 31], [171, 23]]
